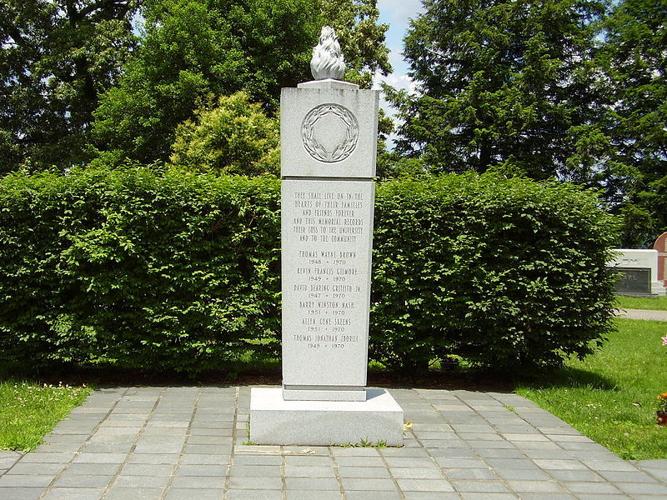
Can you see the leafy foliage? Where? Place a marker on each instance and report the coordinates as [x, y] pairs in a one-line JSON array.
[[195, 51], [362, 38], [56, 58], [167, 268], [236, 137], [567, 89], [138, 268], [502, 271]]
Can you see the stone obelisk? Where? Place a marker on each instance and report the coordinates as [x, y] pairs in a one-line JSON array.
[[328, 149]]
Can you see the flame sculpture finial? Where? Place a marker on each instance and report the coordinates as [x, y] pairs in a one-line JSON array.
[[327, 61]]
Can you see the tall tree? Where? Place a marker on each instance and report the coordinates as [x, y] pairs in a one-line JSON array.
[[195, 51], [634, 67], [500, 82], [361, 36], [56, 58]]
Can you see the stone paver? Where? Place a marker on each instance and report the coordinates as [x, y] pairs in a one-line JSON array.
[[172, 443], [7, 460]]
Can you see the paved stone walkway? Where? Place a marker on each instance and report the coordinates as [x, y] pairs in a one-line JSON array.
[[190, 443], [643, 314]]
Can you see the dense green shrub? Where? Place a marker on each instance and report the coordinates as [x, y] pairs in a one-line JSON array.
[[171, 269], [503, 272], [235, 137], [138, 268]]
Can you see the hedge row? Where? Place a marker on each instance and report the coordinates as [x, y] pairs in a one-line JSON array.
[[154, 269]]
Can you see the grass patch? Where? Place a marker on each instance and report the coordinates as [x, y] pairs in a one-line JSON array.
[[364, 443], [611, 396], [652, 303], [29, 410]]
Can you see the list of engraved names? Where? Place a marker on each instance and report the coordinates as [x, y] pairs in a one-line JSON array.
[[329, 251]]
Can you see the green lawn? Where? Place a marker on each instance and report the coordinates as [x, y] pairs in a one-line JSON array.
[[654, 303], [30, 410], [611, 395]]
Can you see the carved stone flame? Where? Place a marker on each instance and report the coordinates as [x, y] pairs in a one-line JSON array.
[[327, 61]]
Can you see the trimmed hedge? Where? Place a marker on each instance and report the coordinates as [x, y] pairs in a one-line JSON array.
[[154, 269], [504, 272]]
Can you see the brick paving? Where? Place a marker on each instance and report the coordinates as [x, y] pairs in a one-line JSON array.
[[190, 443]]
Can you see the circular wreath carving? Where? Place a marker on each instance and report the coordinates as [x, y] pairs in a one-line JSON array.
[[341, 150]]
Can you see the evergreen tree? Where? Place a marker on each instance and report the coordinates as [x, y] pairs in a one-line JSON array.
[[634, 65], [501, 82], [235, 137]]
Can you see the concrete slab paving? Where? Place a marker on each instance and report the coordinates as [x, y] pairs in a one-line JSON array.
[[643, 314], [190, 443], [8, 459]]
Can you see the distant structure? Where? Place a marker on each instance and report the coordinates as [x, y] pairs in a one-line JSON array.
[[327, 61]]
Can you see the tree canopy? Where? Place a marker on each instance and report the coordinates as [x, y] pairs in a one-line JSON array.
[[56, 58], [499, 81], [194, 51], [633, 66], [116, 77], [361, 36], [571, 89]]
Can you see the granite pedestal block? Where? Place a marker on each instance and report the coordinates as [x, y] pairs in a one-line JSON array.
[[321, 423]]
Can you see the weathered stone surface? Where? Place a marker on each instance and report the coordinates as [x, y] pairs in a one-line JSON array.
[[276, 421], [328, 131], [326, 263]]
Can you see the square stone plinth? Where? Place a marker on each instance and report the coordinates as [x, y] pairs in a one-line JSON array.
[[328, 130], [276, 421]]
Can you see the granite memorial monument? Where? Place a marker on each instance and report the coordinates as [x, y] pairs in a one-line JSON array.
[[328, 131]]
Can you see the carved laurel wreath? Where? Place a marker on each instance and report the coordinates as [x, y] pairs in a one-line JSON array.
[[341, 150]]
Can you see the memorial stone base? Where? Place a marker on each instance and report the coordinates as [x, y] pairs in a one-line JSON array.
[[275, 421]]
